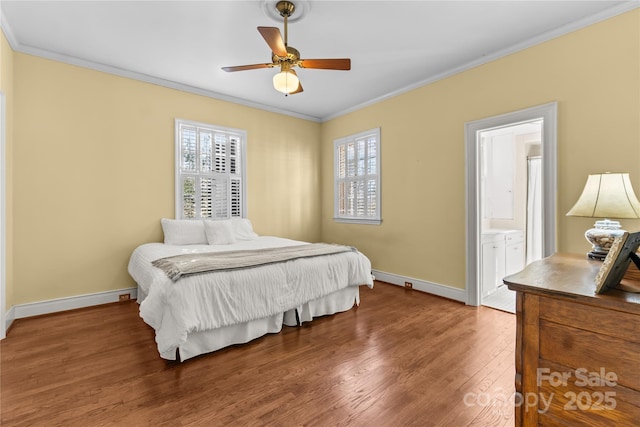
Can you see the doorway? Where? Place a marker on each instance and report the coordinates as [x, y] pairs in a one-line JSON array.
[[510, 232], [503, 159]]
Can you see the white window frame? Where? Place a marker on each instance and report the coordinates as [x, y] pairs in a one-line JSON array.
[[367, 175], [180, 173]]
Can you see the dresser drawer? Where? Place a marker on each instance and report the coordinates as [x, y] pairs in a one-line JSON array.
[[595, 353], [586, 406], [597, 319]]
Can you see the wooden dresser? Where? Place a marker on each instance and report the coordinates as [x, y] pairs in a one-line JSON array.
[[577, 353]]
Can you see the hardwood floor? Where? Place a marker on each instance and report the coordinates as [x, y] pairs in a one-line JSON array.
[[403, 358]]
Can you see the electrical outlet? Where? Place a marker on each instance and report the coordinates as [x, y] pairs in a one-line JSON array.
[[124, 297], [408, 285]]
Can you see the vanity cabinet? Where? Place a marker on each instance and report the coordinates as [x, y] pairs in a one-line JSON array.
[[502, 253], [493, 262], [514, 252]]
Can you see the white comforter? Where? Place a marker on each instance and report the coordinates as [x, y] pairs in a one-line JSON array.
[[216, 299]]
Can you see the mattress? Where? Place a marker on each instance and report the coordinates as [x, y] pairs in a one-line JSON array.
[[142, 257]]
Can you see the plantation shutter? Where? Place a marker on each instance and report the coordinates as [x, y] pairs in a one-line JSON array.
[[357, 178], [210, 175]]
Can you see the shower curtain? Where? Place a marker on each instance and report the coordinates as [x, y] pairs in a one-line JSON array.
[[534, 209]]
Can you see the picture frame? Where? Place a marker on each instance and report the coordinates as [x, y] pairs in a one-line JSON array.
[[622, 252]]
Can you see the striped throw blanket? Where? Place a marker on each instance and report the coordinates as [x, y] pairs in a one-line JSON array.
[[179, 266]]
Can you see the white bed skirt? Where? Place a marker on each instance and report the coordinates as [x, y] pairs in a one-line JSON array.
[[336, 302], [207, 341], [198, 343]]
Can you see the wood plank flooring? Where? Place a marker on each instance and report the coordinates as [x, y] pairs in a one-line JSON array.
[[403, 358]]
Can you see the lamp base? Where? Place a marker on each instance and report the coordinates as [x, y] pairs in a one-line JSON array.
[[597, 255], [601, 238]]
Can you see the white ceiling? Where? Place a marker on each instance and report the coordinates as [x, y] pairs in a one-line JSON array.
[[394, 46]]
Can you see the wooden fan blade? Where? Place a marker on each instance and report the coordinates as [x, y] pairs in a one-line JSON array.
[[326, 64], [297, 90], [246, 67], [273, 38]]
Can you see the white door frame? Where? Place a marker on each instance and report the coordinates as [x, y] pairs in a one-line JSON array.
[[3, 229], [549, 114]]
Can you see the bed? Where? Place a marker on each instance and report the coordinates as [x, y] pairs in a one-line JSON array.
[[205, 311]]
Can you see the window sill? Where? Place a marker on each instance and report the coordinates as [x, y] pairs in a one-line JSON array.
[[368, 221]]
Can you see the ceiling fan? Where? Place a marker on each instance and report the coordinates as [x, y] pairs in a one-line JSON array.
[[287, 57]]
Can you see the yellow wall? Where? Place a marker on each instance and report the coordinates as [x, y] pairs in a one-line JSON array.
[[6, 86], [94, 173], [91, 159], [593, 74]]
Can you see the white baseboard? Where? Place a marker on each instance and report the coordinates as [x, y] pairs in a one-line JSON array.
[[9, 317], [69, 303], [421, 285]]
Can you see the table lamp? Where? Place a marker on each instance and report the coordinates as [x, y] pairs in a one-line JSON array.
[[606, 195]]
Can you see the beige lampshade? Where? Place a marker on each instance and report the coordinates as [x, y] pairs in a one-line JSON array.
[[607, 195]]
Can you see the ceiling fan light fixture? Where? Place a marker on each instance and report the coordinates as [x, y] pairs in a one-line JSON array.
[[287, 57], [286, 81]]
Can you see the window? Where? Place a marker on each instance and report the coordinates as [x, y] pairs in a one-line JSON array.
[[357, 178], [210, 171]]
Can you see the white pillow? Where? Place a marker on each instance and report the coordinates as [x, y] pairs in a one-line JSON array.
[[219, 232], [243, 229], [183, 232]]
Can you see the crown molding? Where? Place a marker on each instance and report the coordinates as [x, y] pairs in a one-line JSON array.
[[574, 26], [6, 29], [157, 81], [71, 60]]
